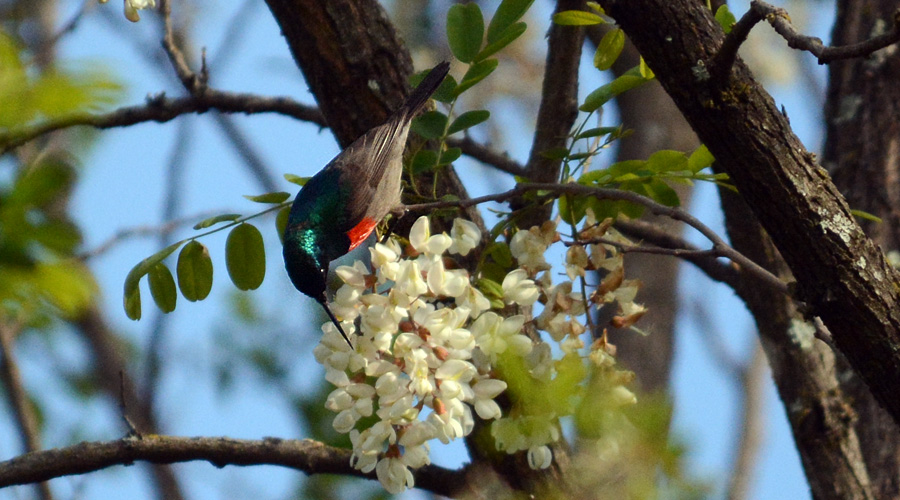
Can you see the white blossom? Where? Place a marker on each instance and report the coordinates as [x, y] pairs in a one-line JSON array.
[[465, 235], [518, 289]]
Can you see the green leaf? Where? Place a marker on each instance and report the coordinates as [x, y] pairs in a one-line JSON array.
[[559, 153], [865, 215], [273, 198], [424, 161], [645, 70], [143, 267], [508, 36], [195, 271], [296, 179], [667, 160], [212, 221], [490, 288], [507, 13], [245, 257], [467, 120], [608, 50], [595, 132], [577, 18], [499, 251], [659, 191], [477, 72], [42, 183], [430, 125], [465, 30], [449, 156], [572, 208], [444, 92], [627, 81], [725, 18], [700, 159], [281, 222], [162, 287], [132, 299]]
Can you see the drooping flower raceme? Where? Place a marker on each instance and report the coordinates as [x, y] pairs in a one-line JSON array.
[[133, 6], [429, 352]]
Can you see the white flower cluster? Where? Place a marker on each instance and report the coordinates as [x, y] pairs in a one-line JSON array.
[[133, 6], [430, 350]]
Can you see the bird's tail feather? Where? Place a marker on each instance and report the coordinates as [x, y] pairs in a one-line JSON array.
[[423, 92]]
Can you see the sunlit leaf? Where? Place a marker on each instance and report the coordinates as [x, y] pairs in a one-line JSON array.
[[608, 50], [296, 179], [577, 18], [212, 221], [627, 81], [725, 18], [273, 198], [700, 159]]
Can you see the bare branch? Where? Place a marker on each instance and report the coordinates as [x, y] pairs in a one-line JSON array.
[[310, 457], [781, 22], [194, 83], [719, 245], [488, 156], [145, 231], [161, 109], [651, 233]]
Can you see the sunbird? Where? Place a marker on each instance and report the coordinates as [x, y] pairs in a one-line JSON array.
[[339, 207]]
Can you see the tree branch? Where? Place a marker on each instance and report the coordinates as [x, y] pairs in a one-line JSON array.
[[780, 21], [840, 273], [719, 245], [161, 109], [310, 457]]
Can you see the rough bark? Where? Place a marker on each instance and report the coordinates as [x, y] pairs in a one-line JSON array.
[[841, 274], [357, 67], [863, 155]]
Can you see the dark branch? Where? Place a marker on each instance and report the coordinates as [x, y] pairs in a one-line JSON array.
[[555, 190], [780, 21], [651, 233], [488, 156], [310, 457], [161, 109]]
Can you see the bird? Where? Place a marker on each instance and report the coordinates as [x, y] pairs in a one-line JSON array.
[[340, 206]]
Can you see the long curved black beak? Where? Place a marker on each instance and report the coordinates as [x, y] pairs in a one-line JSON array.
[[334, 320]]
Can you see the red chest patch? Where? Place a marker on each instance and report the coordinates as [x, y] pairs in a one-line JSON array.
[[361, 231]]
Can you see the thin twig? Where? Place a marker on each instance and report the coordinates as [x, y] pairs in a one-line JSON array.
[[144, 231], [488, 156], [161, 109], [780, 21], [719, 245], [653, 234], [123, 408], [193, 83], [244, 148], [25, 417]]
